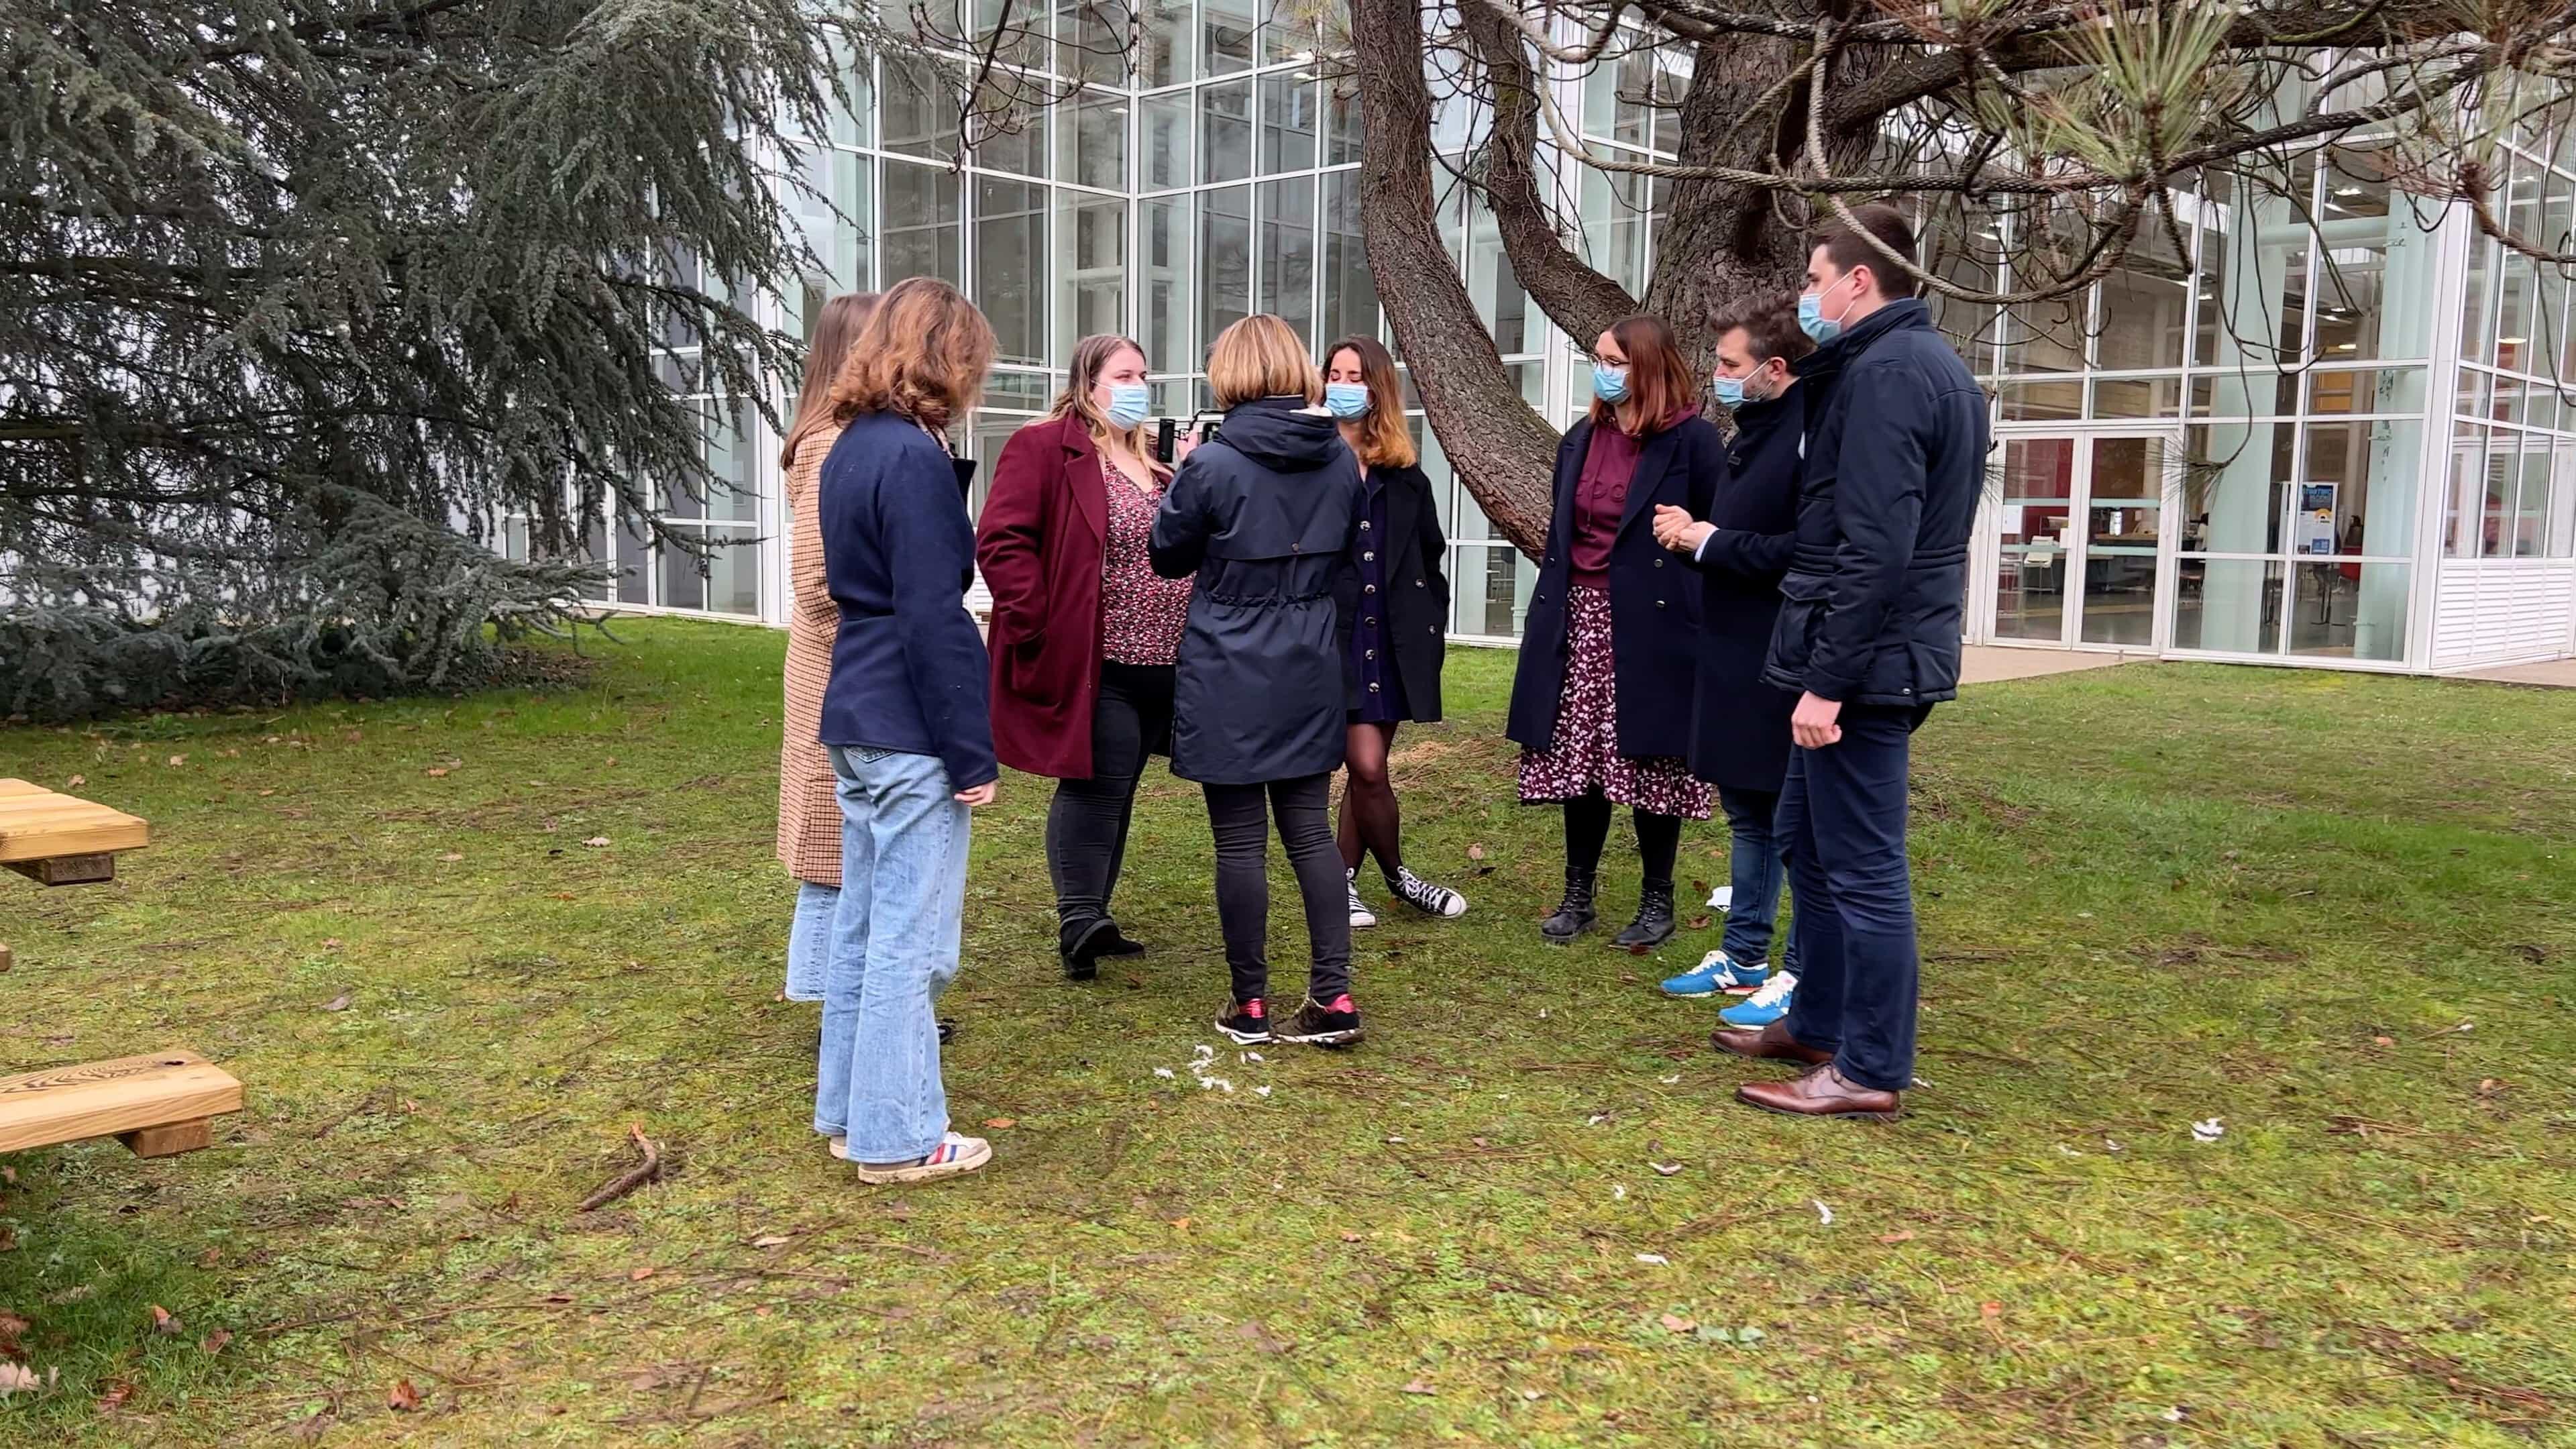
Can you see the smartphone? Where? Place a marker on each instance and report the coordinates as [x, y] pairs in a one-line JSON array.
[[1165, 434]]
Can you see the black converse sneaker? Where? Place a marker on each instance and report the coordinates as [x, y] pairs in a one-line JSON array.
[[1246, 1023], [1318, 1025], [1431, 900]]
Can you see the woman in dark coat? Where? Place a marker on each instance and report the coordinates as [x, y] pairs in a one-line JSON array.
[[1739, 724], [1262, 514], [1084, 630], [1394, 606], [1601, 702]]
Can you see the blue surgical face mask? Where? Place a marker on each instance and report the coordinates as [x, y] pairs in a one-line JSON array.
[[1610, 384], [1348, 401], [1730, 391], [1128, 402], [1811, 314]]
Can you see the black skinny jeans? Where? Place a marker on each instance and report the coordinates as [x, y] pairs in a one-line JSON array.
[[1086, 829], [1239, 817]]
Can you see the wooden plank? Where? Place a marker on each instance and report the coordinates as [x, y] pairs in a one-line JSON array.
[[63, 870], [171, 1140], [37, 823], [103, 1099]]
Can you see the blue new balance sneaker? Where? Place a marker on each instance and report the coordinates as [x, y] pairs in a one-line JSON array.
[[1715, 973], [1764, 1006]]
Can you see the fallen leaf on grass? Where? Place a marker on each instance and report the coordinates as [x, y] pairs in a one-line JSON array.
[[404, 1398], [14, 1379], [2208, 1131], [640, 1274], [164, 1321], [436, 771], [999, 1124], [1417, 1386], [214, 1342], [1665, 1169], [2383, 1041], [452, 856], [771, 1240], [1475, 852], [562, 895], [76, 781], [1824, 1214], [597, 842], [1668, 1081], [1351, 1237], [178, 760], [8, 1239], [1990, 1310], [337, 1003], [1162, 1071], [115, 1395], [1698, 923], [1678, 1324], [1183, 1224], [1901, 1235], [1253, 1332], [1654, 1260]]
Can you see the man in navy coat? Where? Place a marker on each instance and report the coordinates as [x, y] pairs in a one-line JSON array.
[[1868, 637], [1740, 724]]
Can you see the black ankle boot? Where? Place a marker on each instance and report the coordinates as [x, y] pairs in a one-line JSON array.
[[1574, 915], [1654, 923]]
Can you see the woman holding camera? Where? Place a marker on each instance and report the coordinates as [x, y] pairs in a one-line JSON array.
[[1394, 607], [1261, 514], [1084, 631]]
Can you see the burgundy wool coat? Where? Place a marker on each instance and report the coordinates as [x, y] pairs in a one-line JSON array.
[[1039, 548]]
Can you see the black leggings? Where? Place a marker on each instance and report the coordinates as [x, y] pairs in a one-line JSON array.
[[1239, 817], [1587, 828], [1086, 827], [1370, 820]]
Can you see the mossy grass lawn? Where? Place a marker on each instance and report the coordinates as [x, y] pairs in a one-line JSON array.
[[455, 947]]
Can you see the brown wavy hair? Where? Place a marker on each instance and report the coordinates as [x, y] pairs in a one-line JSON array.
[[1261, 356], [921, 355], [835, 328], [1090, 357], [1384, 440], [1660, 384]]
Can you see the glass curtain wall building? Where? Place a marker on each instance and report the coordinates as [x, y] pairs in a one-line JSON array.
[[2333, 432]]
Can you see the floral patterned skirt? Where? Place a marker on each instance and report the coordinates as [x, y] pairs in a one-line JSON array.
[[1586, 757]]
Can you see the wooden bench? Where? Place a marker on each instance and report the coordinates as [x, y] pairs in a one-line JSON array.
[[156, 1105], [55, 839]]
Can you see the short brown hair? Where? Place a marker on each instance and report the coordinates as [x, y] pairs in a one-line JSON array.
[[1771, 325], [1261, 356], [1385, 442], [1660, 384], [921, 355], [1846, 247]]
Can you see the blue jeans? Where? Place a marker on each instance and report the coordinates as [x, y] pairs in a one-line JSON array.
[[894, 949], [1842, 812], [809, 939], [1757, 865]]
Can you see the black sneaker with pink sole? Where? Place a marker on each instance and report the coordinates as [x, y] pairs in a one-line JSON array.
[[1316, 1024]]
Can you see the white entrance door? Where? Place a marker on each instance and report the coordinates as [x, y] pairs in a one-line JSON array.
[[2078, 549]]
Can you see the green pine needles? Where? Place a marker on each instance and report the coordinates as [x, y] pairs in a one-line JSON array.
[[298, 298]]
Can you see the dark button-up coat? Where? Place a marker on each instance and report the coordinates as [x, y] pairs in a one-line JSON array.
[[1897, 433], [908, 665], [1262, 516], [1654, 600], [1739, 724], [1413, 615]]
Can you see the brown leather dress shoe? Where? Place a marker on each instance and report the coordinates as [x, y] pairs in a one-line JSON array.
[[1770, 1042], [1820, 1093]]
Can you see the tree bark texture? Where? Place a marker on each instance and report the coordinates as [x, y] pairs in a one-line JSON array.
[[1503, 451]]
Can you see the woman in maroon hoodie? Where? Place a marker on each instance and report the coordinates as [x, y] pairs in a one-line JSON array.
[[1084, 632]]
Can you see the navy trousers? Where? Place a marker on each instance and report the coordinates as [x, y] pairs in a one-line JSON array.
[[1842, 815]]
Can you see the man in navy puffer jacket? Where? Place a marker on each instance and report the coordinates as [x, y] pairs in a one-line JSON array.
[[1868, 638]]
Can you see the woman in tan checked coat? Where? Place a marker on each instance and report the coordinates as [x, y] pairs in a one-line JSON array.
[[809, 820]]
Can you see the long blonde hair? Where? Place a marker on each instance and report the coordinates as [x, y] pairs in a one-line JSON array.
[[1092, 356], [1261, 356], [835, 328], [1384, 440], [921, 355]]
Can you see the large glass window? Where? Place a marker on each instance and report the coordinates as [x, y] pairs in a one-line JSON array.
[[1289, 121], [920, 114], [1288, 253], [1091, 268], [1167, 141], [1226, 29], [834, 222], [1168, 51], [921, 222], [1225, 259], [1010, 263], [1163, 272], [1350, 289], [1091, 140], [1225, 131]]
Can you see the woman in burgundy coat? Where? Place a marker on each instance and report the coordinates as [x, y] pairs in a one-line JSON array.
[[1084, 632]]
